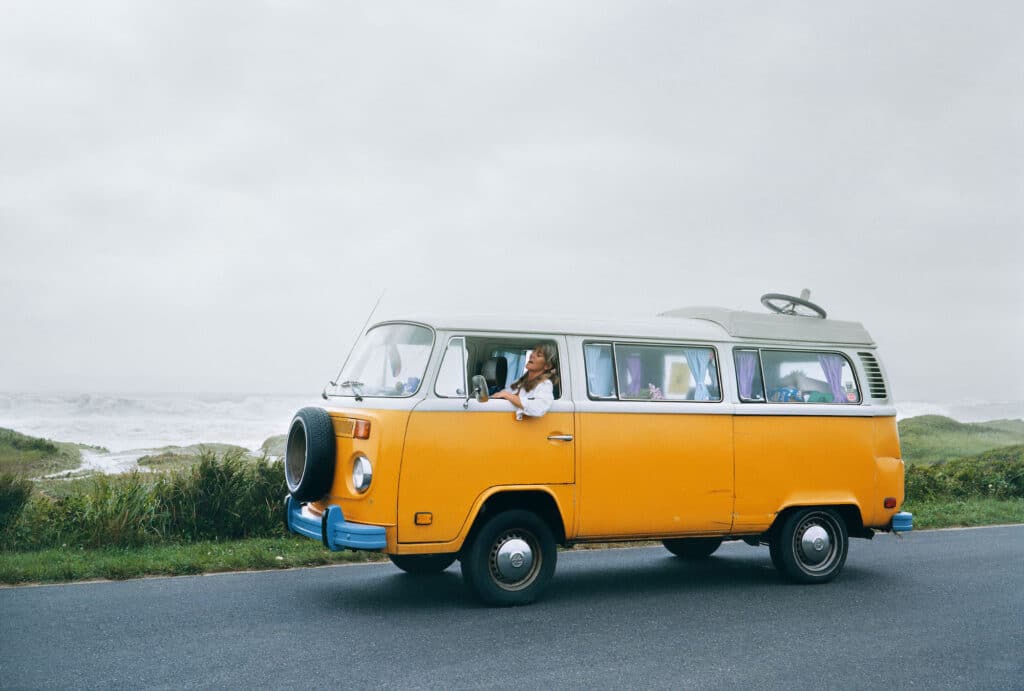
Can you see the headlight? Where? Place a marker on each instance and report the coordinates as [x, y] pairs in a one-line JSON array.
[[362, 474]]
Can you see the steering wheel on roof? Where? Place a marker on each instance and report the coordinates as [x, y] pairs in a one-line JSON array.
[[792, 305]]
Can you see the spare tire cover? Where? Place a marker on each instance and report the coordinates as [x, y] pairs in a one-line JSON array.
[[309, 454]]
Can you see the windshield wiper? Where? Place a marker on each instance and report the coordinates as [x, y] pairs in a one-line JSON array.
[[355, 386]]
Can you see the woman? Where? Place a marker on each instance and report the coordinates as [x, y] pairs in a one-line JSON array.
[[534, 392]]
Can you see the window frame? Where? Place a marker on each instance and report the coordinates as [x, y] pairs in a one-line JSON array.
[[814, 351], [440, 367], [617, 398]]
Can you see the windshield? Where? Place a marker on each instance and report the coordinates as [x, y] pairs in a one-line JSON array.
[[389, 361]]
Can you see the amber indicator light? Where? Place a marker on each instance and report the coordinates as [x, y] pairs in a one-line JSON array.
[[424, 518], [361, 430]]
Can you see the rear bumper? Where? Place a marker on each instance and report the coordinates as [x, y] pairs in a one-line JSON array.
[[903, 522], [333, 530]]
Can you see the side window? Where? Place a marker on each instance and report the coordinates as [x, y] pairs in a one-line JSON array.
[[508, 355], [748, 375], [808, 377], [670, 373], [451, 377], [600, 370]]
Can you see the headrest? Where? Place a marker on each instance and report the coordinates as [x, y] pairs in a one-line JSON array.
[[495, 371]]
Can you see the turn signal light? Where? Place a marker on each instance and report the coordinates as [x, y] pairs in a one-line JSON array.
[[890, 502], [361, 430], [424, 518]]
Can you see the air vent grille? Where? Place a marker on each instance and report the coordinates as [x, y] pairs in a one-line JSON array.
[[876, 382]]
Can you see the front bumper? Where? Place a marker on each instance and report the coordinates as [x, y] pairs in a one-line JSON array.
[[332, 529]]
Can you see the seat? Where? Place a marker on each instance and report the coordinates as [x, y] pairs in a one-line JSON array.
[[495, 371]]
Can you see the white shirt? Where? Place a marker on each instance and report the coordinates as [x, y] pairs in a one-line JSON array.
[[536, 402]]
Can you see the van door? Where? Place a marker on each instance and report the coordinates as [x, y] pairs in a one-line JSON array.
[[454, 453], [655, 451]]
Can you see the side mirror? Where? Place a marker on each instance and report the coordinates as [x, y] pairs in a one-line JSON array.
[[478, 385]]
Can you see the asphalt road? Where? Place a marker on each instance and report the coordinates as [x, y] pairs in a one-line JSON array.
[[941, 609]]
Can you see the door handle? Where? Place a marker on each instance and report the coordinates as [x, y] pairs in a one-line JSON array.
[[559, 437]]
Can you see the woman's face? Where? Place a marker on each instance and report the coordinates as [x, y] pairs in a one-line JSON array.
[[537, 363]]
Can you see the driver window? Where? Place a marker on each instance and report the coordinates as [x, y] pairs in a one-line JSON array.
[[451, 377]]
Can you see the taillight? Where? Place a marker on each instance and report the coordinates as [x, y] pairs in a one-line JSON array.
[[890, 502]]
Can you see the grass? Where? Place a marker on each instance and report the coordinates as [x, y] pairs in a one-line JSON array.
[[64, 564], [182, 457], [928, 439], [953, 513], [27, 456]]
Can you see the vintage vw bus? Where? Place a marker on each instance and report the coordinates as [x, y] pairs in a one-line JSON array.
[[694, 427]]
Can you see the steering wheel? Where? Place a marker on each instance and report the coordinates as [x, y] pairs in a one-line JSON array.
[[789, 304]]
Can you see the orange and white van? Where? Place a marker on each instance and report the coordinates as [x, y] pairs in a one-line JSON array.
[[694, 427]]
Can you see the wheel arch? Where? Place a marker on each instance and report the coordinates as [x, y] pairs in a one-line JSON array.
[[850, 513], [538, 500]]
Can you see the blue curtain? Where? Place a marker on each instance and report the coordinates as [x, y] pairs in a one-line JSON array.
[[600, 377], [698, 360]]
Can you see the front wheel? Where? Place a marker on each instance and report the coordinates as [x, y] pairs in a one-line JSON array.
[[419, 564], [811, 546], [510, 560], [693, 547]]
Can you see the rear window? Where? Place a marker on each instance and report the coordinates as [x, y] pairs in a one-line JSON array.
[[795, 376]]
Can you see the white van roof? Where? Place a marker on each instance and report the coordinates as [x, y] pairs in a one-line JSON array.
[[691, 323], [777, 327]]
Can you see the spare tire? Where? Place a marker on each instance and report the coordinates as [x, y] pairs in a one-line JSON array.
[[309, 454]]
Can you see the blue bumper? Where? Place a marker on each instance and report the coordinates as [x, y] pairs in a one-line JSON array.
[[333, 530], [903, 522]]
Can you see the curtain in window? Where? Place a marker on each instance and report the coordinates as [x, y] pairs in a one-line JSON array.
[[633, 368], [746, 363], [698, 359], [599, 370], [832, 365]]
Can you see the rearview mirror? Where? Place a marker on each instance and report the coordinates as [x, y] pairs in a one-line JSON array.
[[478, 385]]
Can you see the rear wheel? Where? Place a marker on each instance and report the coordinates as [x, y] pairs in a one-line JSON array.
[[422, 563], [811, 546], [511, 559], [693, 547]]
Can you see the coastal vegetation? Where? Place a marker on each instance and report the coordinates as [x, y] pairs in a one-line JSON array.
[[28, 456], [929, 439], [218, 508]]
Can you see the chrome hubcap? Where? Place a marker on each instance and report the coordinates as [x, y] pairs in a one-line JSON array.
[[514, 559], [815, 544]]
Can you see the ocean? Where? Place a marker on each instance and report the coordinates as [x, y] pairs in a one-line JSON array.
[[131, 425]]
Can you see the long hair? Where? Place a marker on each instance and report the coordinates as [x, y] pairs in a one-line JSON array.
[[550, 353]]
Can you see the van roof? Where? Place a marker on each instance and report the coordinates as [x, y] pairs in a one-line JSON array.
[[690, 323]]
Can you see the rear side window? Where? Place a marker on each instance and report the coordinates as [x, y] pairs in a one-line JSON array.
[[792, 376], [637, 372]]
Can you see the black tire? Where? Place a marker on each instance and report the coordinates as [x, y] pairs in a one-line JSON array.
[[309, 454], [693, 547], [811, 546], [487, 575], [790, 304], [419, 564]]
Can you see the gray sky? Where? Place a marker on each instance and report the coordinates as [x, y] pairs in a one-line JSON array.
[[211, 196]]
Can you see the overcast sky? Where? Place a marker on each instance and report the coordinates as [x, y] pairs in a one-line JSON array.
[[211, 196]]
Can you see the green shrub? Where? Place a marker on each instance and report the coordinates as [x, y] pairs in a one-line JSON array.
[[14, 494], [219, 498], [996, 474]]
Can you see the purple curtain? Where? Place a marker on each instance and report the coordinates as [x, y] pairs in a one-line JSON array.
[[746, 361], [832, 365], [633, 368]]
